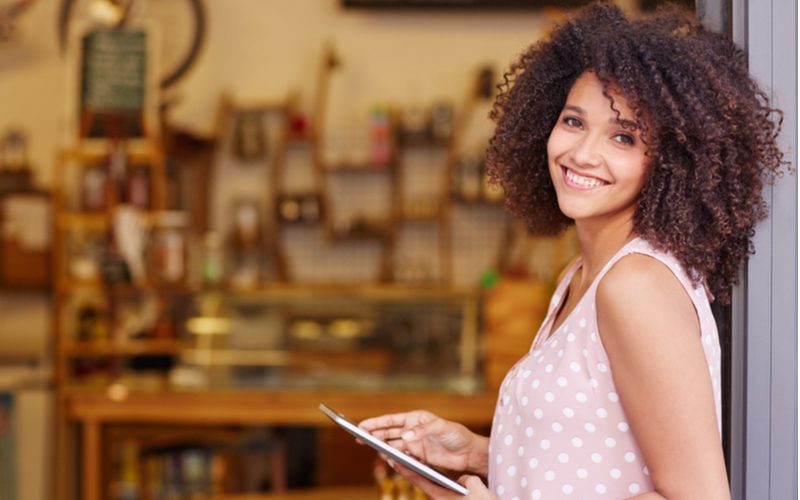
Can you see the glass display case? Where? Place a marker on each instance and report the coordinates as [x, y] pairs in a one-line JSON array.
[[279, 337]]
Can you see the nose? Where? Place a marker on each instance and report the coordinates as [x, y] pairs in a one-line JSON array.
[[586, 152]]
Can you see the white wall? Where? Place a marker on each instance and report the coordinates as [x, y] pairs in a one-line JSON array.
[[31, 79], [265, 48], [259, 48]]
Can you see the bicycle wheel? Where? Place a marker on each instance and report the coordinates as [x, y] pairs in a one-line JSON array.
[[182, 25]]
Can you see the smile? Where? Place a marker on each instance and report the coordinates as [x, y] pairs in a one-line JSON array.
[[580, 181]]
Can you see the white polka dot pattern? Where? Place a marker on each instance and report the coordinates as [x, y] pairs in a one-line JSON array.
[[559, 429]]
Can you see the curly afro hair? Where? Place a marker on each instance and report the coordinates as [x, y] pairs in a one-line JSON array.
[[710, 132]]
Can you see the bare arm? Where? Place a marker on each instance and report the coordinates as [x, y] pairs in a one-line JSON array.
[[651, 332]]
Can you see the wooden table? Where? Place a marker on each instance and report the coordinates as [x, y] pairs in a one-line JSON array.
[[332, 493], [92, 410]]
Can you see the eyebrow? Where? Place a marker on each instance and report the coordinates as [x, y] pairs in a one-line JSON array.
[[625, 123]]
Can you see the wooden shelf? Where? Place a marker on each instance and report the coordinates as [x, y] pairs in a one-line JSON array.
[[376, 230], [301, 223], [300, 193], [416, 141], [371, 360], [271, 407], [352, 168], [396, 293], [97, 221], [434, 217], [96, 348], [261, 105], [66, 286], [288, 292], [94, 152]]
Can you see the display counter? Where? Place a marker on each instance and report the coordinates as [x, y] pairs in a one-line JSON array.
[[93, 411]]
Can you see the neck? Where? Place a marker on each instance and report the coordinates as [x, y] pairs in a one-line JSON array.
[[599, 242]]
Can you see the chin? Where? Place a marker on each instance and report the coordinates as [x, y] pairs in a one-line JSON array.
[[572, 208]]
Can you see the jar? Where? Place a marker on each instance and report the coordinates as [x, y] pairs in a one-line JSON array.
[[169, 249], [93, 189]]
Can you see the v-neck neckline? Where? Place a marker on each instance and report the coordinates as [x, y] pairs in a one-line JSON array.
[[563, 292], [562, 298]]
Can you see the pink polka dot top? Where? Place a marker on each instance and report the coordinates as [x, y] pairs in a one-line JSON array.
[[559, 430]]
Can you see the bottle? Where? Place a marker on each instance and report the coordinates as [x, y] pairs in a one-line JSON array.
[[138, 187], [164, 327], [169, 250], [90, 324], [380, 137], [117, 170], [114, 268], [213, 264], [470, 178], [442, 122]]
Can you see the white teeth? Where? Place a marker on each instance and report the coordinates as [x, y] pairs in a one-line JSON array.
[[583, 181]]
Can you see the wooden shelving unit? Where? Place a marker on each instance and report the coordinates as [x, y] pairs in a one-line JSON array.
[[96, 407], [69, 219]]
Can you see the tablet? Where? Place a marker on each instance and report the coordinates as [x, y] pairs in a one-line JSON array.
[[407, 460]]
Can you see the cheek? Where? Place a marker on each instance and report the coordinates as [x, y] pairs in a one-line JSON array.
[[554, 145], [637, 175], [553, 152]]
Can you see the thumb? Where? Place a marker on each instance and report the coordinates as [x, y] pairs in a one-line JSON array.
[[472, 483]]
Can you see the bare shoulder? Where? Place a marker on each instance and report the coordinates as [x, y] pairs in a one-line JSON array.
[[638, 276], [639, 288]]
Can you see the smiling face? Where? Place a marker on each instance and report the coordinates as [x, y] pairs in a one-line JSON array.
[[597, 159]]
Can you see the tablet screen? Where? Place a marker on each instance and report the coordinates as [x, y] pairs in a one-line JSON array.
[[394, 453]]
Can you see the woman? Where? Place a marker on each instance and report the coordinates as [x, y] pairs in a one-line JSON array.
[[650, 136]]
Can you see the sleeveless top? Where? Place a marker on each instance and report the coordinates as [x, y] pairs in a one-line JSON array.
[[559, 430]]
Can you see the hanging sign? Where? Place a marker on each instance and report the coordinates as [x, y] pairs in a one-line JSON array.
[[113, 80]]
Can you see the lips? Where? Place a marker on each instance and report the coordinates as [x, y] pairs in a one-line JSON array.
[[581, 181]]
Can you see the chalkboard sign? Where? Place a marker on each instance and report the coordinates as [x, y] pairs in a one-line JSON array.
[[113, 71]]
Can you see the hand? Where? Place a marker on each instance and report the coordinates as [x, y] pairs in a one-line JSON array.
[[477, 490], [435, 441]]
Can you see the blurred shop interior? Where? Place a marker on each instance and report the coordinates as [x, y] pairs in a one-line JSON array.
[[218, 214]]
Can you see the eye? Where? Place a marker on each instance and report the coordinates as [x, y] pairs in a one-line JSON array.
[[571, 121], [626, 139]]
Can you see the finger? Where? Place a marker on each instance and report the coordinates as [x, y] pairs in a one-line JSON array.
[[435, 427], [415, 448], [399, 444], [389, 460], [405, 419], [415, 438], [384, 421], [387, 434], [430, 488]]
